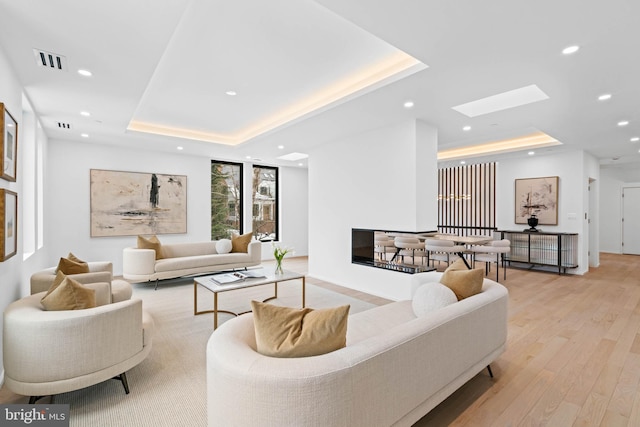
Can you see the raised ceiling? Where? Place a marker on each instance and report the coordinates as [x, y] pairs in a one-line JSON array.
[[306, 72]]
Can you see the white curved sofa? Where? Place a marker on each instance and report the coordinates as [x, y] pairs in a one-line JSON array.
[[395, 368], [185, 259], [52, 352]]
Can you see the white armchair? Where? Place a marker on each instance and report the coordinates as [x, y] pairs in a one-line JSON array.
[[99, 271], [52, 352]]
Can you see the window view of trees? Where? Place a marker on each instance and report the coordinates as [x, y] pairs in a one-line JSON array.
[[226, 199], [265, 203]]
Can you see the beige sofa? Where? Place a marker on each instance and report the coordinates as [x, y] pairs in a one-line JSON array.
[[185, 259], [395, 368], [52, 352]]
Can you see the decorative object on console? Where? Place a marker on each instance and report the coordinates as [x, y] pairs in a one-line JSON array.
[[9, 224], [532, 221], [293, 332], [8, 145], [134, 203], [537, 196], [279, 254]]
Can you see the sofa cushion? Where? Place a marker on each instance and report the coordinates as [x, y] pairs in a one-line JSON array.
[[223, 246], [430, 297], [67, 294], [241, 243], [462, 281], [72, 265], [183, 263], [151, 243], [291, 332]]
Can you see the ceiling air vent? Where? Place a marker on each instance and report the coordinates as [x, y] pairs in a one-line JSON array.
[[50, 60], [62, 125]]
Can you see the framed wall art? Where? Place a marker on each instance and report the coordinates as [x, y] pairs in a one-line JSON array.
[[8, 145], [9, 219], [537, 196], [133, 203]]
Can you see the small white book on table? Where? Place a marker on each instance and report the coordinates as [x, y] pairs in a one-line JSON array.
[[237, 276]]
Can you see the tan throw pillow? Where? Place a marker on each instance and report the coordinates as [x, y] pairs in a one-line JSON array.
[[72, 265], [151, 243], [68, 294], [462, 281], [241, 243], [291, 332]]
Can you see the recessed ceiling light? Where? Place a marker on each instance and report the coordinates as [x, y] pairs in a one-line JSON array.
[[531, 153], [85, 113], [300, 164], [466, 128], [408, 104], [85, 73], [84, 135], [635, 139], [179, 148], [623, 122], [248, 157], [571, 49], [604, 97], [502, 101], [231, 92], [462, 162], [280, 147]]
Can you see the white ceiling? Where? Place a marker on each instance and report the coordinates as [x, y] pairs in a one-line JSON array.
[[169, 63]]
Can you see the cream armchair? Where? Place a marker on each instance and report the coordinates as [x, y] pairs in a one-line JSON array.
[[99, 271], [52, 352]]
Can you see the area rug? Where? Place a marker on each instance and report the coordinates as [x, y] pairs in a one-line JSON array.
[[169, 387]]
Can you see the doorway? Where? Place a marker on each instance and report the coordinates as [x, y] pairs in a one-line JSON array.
[[631, 220]]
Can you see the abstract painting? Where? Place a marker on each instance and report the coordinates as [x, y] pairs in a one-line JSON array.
[[537, 196], [8, 218], [134, 203]]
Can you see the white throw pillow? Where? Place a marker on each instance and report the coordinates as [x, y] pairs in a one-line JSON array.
[[223, 246], [430, 297]]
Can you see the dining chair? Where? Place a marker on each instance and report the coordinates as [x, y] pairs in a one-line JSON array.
[[442, 250], [410, 246], [491, 252]]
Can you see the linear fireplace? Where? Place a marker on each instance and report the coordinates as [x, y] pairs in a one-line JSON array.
[[363, 251]]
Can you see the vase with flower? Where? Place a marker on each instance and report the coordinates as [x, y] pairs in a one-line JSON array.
[[279, 253]]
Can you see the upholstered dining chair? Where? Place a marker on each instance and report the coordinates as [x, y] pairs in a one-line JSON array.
[[409, 246], [384, 245], [492, 252], [442, 250]]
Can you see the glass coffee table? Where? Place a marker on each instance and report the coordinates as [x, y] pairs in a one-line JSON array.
[[269, 277]]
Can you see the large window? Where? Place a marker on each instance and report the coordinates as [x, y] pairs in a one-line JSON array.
[[226, 199], [265, 203]]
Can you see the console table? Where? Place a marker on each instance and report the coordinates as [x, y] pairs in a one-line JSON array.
[[542, 248]]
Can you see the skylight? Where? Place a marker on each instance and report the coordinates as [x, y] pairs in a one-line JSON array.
[[502, 101]]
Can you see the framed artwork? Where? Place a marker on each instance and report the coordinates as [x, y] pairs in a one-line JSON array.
[[133, 203], [8, 144], [537, 196], [9, 218]]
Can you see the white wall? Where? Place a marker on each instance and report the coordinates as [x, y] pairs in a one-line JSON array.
[[381, 179], [573, 170], [68, 199]]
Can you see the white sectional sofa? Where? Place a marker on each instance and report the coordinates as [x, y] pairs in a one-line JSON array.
[[184, 259], [395, 368]]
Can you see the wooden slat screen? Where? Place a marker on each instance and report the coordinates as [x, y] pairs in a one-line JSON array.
[[466, 199]]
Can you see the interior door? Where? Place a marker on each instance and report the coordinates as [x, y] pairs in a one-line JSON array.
[[631, 220]]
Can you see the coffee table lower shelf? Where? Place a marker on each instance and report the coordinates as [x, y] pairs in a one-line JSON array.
[[208, 283]]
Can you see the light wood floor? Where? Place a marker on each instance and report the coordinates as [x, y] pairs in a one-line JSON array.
[[572, 358]]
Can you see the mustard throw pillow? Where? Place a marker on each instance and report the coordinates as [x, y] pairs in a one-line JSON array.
[[151, 243], [241, 243], [462, 281], [72, 265], [291, 332], [67, 294]]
